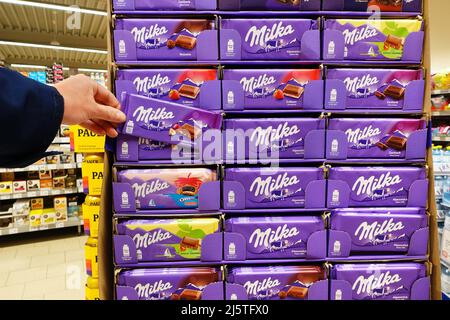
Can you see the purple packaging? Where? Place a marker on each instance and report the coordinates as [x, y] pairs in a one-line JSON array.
[[169, 284], [377, 187], [373, 5], [165, 39], [253, 188], [285, 5], [374, 89], [285, 138], [255, 238], [373, 39], [269, 39], [393, 281], [167, 122], [131, 5], [401, 231], [198, 88], [173, 188], [277, 283], [388, 138], [262, 89]]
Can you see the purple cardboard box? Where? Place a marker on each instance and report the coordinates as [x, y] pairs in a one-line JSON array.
[[174, 188], [277, 283], [394, 281], [376, 139], [165, 39], [373, 39], [401, 231], [260, 188], [285, 5], [377, 187], [284, 138], [263, 89], [198, 88], [269, 39], [373, 5], [255, 238], [170, 284], [131, 5], [140, 241], [374, 89], [167, 122]]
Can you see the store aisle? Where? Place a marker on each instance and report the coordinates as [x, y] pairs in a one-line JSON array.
[[48, 268]]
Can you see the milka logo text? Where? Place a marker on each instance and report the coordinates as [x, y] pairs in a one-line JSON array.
[[363, 285], [261, 36], [265, 238], [147, 83], [268, 185], [368, 186], [264, 137], [360, 34], [142, 34], [371, 231], [149, 238], [353, 84], [257, 286], [143, 190], [252, 83], [150, 114], [149, 289], [354, 136]]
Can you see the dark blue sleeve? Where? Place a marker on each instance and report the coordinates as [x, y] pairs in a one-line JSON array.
[[30, 116]]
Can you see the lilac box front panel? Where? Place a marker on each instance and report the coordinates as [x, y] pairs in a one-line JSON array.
[[377, 230], [164, 5], [364, 88], [275, 237], [168, 284], [375, 186], [302, 5], [378, 281], [166, 188], [268, 39], [377, 5], [369, 138], [273, 187], [282, 137], [170, 85]]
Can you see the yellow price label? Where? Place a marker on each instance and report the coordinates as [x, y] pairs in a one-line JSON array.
[[92, 174], [85, 141]]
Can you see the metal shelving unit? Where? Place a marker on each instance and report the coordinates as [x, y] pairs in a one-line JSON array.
[[71, 222], [44, 167], [41, 193]]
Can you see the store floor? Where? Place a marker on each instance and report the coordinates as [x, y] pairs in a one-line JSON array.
[[46, 267]]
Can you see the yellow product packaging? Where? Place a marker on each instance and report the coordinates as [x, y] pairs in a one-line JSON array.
[[91, 211], [48, 216], [35, 218], [92, 289], [91, 255]]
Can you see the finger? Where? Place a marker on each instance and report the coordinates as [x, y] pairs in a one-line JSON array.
[[104, 96], [102, 112], [108, 127], [90, 125]]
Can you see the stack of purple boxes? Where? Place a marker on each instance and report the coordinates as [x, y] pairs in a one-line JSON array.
[[242, 175]]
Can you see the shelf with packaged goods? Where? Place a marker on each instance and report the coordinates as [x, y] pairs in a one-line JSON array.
[[71, 222], [445, 113], [441, 139], [41, 193], [39, 167], [440, 92]]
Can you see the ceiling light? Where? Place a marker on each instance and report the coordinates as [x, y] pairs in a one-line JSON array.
[[45, 46], [54, 7]]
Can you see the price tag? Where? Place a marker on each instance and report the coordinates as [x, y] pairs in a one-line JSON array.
[[44, 227], [59, 225], [33, 229], [45, 193], [32, 194], [85, 141], [13, 231]]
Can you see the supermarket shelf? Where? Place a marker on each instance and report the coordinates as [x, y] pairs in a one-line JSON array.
[[445, 264], [32, 194], [439, 92], [71, 222], [441, 113], [61, 140], [44, 167], [441, 139]]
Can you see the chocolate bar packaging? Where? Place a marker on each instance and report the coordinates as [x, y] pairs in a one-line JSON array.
[[161, 188], [393, 281], [286, 187], [374, 89], [277, 283], [302, 5], [388, 138], [169, 284], [267, 89], [376, 5], [288, 237], [280, 138], [131, 5], [198, 88], [373, 39], [367, 231], [377, 187], [269, 39], [164, 239], [165, 39]]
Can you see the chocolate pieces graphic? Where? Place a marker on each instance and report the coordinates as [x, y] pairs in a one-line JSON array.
[[382, 146], [186, 42], [380, 95], [396, 143], [293, 91], [394, 92], [188, 91], [394, 42], [190, 243], [294, 292], [187, 294]]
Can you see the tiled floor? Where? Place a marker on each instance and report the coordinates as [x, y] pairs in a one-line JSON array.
[[49, 267]]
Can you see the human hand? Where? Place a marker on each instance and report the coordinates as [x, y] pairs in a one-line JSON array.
[[90, 105]]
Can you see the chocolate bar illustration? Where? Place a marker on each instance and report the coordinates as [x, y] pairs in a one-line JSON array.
[[189, 294], [394, 92], [296, 292], [380, 95], [394, 42], [185, 42], [186, 129], [190, 243], [188, 91], [293, 91], [396, 143], [382, 146]]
